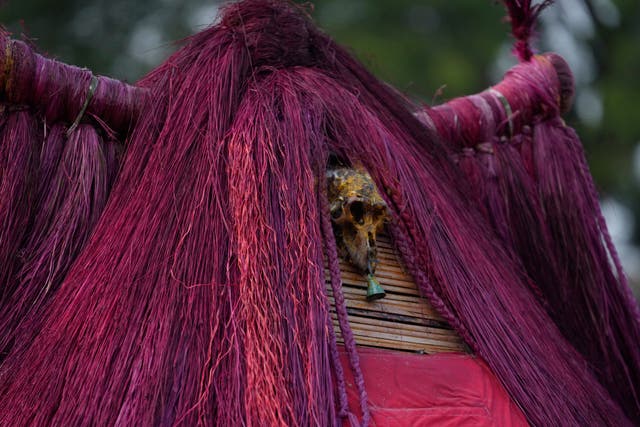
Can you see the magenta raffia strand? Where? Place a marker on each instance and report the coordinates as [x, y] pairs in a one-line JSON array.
[[197, 295]]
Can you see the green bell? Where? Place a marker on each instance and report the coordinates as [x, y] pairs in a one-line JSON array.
[[374, 290]]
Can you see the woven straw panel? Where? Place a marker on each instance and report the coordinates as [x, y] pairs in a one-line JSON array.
[[403, 320]]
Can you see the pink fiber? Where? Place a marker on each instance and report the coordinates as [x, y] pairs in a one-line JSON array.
[[199, 297]]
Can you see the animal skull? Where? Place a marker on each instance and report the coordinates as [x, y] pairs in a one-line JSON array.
[[358, 213]]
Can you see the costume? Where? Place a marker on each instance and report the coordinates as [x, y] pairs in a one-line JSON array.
[[196, 293]]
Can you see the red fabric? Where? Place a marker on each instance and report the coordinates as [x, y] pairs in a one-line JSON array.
[[445, 389]]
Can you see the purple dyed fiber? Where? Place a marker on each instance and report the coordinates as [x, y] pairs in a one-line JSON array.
[[59, 90], [71, 201], [54, 188], [341, 307], [540, 198], [20, 142], [198, 296], [70, 180], [593, 296]]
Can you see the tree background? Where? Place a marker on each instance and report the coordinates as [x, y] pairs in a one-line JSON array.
[[433, 50]]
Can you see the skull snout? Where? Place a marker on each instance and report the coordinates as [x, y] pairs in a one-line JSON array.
[[360, 222]]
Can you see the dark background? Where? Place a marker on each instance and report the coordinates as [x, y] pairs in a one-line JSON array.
[[458, 46]]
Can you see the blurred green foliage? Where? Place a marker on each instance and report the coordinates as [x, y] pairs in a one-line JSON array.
[[420, 46]]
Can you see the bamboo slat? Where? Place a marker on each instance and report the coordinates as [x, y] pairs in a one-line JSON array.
[[403, 320]]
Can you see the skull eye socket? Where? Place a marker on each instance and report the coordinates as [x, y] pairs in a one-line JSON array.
[[357, 211]]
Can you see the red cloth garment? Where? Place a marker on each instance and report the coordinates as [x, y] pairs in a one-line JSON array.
[[446, 389]]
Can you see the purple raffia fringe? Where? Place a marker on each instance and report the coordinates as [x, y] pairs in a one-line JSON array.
[[199, 297], [56, 180], [72, 200], [20, 141], [528, 172]]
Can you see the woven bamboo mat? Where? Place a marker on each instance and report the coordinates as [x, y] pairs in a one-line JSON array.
[[403, 320]]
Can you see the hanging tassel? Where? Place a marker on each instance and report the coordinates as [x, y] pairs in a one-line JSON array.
[[593, 306], [20, 142], [71, 189], [591, 301], [72, 199]]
